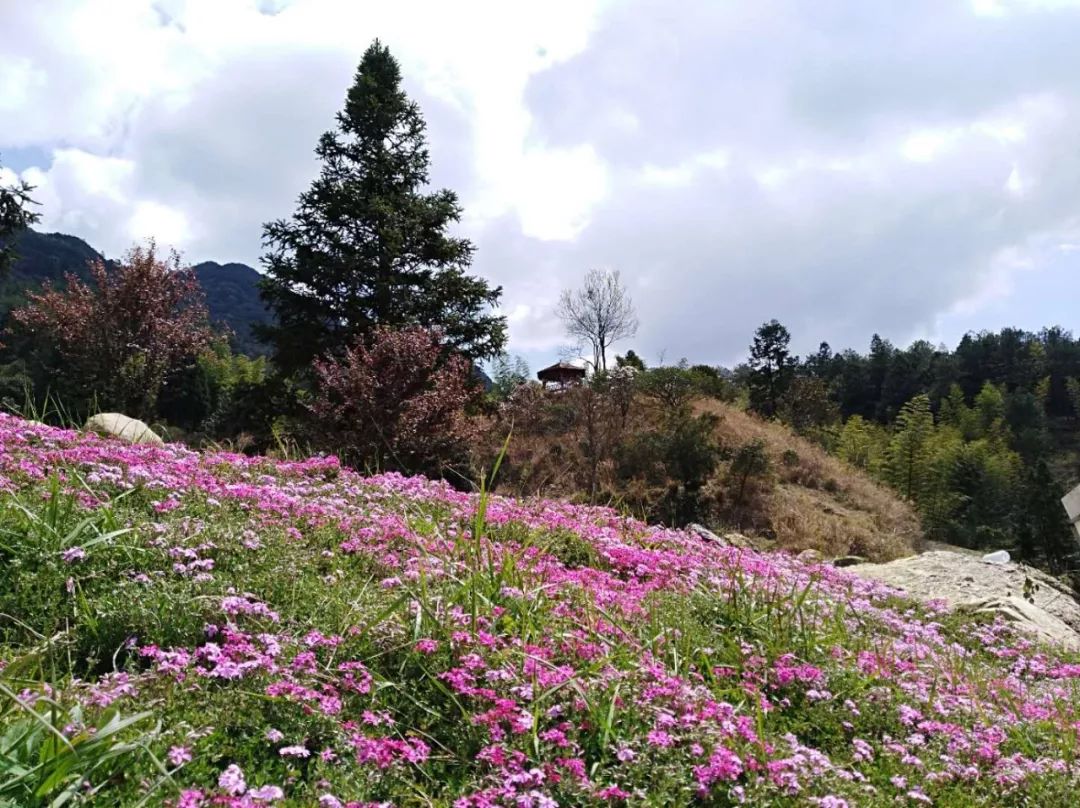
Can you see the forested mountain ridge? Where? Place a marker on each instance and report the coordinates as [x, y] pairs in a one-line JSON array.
[[232, 293]]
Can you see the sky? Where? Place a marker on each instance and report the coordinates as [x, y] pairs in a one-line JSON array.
[[904, 168]]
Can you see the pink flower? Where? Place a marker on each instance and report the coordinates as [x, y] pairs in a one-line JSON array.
[[612, 793], [190, 798], [266, 794], [658, 737], [294, 751], [73, 554], [179, 755], [232, 781], [831, 801], [426, 646]]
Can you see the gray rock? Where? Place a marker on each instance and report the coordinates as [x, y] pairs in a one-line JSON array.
[[703, 532], [848, 561], [129, 429], [1028, 617], [965, 582]]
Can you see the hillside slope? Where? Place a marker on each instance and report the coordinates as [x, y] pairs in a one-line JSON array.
[[213, 629], [820, 502], [566, 444]]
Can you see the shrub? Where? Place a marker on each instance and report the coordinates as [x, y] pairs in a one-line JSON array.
[[117, 339], [217, 394], [665, 469], [746, 481], [395, 401]]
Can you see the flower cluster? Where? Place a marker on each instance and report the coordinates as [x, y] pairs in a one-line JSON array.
[[352, 641]]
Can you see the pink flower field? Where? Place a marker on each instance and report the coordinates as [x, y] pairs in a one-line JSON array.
[[202, 629]]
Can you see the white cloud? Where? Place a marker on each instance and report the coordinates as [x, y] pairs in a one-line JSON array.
[[848, 168], [557, 190], [153, 219]]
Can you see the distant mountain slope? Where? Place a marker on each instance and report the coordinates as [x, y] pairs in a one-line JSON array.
[[232, 293]]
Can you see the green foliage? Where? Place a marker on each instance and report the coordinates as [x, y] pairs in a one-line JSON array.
[[216, 395], [1045, 534], [670, 387], [862, 443], [673, 386], [1072, 387], [53, 754], [808, 408], [507, 374], [675, 460], [630, 360], [749, 465], [972, 500], [368, 246], [989, 412]]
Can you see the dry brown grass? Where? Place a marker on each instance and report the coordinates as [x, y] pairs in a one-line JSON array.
[[820, 502], [810, 500]]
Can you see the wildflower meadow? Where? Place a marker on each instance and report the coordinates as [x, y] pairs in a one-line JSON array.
[[210, 629]]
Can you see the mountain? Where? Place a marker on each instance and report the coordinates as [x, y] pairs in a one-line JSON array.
[[232, 295], [232, 292]]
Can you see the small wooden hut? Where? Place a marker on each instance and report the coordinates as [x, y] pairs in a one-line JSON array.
[[561, 374]]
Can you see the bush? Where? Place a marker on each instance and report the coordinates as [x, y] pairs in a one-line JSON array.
[[666, 468], [396, 401], [214, 394], [746, 482], [113, 343]]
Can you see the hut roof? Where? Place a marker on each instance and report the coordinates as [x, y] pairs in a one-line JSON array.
[[560, 370]]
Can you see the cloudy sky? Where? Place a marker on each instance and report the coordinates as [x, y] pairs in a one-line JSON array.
[[910, 168]]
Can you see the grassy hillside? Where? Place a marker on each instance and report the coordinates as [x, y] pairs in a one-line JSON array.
[[211, 629], [566, 445], [820, 502]]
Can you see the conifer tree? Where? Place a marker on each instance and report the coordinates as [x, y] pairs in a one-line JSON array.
[[15, 216], [772, 368], [908, 453], [368, 245], [854, 444]]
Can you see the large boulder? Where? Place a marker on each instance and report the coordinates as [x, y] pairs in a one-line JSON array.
[[1036, 602], [129, 429]]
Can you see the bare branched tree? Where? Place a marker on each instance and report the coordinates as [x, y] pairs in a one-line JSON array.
[[599, 313]]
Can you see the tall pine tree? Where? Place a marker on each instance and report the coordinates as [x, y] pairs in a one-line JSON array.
[[772, 368], [368, 244]]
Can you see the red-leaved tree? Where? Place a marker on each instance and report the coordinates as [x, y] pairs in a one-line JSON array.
[[394, 401], [116, 339]]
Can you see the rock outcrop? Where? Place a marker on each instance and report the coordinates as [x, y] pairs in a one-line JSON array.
[[1035, 601], [129, 429]]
